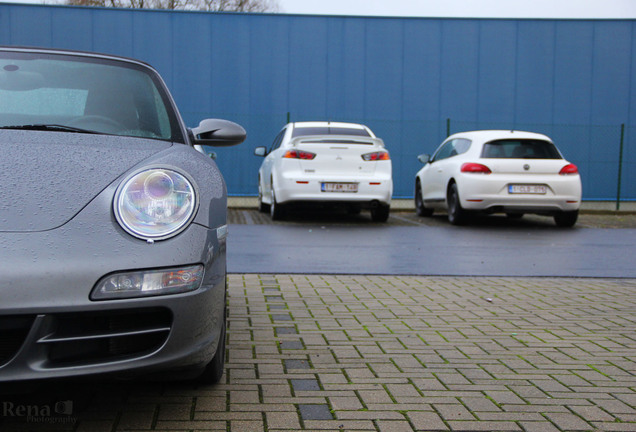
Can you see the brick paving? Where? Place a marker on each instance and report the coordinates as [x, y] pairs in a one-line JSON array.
[[393, 354]]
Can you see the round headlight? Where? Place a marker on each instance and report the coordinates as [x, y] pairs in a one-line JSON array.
[[155, 204]]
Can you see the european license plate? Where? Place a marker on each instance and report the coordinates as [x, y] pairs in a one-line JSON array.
[[527, 189], [339, 187]]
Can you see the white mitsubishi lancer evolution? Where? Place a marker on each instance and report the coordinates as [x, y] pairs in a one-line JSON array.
[[326, 162]]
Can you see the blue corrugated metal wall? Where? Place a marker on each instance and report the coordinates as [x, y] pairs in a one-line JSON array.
[[403, 77]]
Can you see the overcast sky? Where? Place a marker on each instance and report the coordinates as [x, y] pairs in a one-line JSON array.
[[466, 8], [615, 9]]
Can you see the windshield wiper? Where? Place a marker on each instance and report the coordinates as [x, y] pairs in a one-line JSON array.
[[49, 127]]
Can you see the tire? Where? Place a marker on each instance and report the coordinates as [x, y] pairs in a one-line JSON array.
[[262, 207], [566, 219], [214, 370], [276, 210], [456, 214], [380, 213], [420, 208]]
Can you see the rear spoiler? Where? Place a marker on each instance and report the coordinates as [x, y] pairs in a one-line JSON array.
[[336, 139]]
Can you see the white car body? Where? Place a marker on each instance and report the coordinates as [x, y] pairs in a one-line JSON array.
[[327, 164], [485, 171]]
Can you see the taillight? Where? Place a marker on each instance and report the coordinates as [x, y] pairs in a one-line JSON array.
[[299, 154], [471, 167], [376, 156], [569, 169]]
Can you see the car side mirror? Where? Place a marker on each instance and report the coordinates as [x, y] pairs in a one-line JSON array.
[[260, 151], [218, 133], [424, 158]]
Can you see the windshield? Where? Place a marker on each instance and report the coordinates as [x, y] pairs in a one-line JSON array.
[[48, 91]]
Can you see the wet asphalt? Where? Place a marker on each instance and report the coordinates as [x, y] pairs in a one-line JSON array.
[[314, 241]]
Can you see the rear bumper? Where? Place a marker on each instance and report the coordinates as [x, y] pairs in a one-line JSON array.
[[490, 194], [525, 207], [290, 187]]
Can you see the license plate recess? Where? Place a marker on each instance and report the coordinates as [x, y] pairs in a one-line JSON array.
[[339, 187], [527, 189]]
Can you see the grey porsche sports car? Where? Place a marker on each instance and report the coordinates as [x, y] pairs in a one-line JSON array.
[[112, 224]]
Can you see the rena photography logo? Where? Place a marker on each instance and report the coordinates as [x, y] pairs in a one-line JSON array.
[[58, 412]]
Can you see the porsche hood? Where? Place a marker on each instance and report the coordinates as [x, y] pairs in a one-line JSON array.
[[47, 178]]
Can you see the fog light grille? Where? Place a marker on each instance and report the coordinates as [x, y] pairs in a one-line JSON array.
[[97, 337]]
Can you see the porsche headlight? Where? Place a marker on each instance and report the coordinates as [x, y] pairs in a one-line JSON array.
[[155, 204]]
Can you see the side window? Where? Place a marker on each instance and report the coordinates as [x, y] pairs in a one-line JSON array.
[[462, 145], [444, 151], [277, 140], [452, 148]]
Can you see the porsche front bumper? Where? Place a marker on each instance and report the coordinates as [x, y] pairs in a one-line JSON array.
[[49, 327]]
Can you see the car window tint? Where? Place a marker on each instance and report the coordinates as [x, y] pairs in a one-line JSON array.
[[520, 149], [328, 130]]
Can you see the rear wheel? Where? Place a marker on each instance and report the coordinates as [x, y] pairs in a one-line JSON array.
[[420, 208], [276, 210], [262, 207], [456, 214], [566, 219], [380, 213]]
